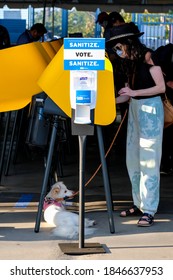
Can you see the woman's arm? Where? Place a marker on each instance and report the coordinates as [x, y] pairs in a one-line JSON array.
[[159, 87], [122, 99]]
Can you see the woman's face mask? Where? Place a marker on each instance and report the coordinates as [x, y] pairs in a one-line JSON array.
[[120, 50], [119, 53]]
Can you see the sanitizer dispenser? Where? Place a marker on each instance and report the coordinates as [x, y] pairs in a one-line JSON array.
[[83, 89]]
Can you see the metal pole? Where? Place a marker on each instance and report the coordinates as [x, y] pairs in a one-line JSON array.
[[53, 19], [105, 178], [44, 11], [64, 23], [82, 149]]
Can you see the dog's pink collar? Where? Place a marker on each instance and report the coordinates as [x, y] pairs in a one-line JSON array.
[[49, 201]]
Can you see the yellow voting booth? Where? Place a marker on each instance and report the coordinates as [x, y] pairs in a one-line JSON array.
[[21, 67]]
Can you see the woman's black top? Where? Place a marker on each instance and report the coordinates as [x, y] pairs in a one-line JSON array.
[[143, 79]]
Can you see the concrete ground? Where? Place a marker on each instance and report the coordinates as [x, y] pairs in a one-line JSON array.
[[19, 196]]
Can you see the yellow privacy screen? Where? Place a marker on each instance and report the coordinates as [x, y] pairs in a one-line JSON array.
[[21, 66], [49, 49], [55, 81], [56, 44]]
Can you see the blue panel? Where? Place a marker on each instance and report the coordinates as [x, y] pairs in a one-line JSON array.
[[15, 27]]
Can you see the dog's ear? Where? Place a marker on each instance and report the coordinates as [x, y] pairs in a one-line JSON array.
[[55, 191]]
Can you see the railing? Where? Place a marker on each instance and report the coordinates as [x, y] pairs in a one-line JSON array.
[[157, 28]]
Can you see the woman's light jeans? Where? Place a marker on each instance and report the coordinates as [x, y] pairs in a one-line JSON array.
[[144, 149]]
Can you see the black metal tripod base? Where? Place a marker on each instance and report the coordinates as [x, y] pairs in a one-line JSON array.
[[89, 248]]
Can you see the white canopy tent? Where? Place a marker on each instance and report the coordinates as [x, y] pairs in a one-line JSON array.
[[107, 5]]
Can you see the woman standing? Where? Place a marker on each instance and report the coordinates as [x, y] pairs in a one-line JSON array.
[[145, 122]]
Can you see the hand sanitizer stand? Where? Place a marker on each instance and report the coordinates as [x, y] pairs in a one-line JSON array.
[[86, 96], [83, 101]]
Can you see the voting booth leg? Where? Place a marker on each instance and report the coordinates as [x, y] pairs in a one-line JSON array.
[[11, 145], [4, 142], [47, 172], [20, 121], [105, 178]]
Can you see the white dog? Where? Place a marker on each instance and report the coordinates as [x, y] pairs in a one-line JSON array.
[[55, 214]]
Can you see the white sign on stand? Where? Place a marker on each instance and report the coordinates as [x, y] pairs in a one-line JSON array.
[[83, 57], [84, 53]]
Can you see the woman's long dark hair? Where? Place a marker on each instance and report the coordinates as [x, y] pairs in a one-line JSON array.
[[137, 50]]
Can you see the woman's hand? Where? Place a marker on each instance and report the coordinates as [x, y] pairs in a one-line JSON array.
[[126, 91]]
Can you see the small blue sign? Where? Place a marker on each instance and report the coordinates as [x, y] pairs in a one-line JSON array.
[[84, 54], [84, 43], [83, 96], [84, 65]]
